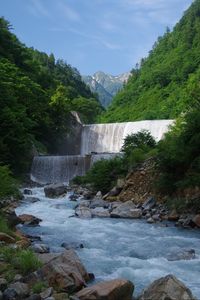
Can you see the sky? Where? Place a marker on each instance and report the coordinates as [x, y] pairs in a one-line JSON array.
[[93, 35]]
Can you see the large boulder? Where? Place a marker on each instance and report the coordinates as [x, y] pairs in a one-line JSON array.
[[30, 220], [117, 289], [98, 202], [55, 190], [64, 272], [100, 212], [126, 210], [167, 288], [196, 220], [17, 290], [83, 212]]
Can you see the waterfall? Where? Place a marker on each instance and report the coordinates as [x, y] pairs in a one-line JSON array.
[[105, 140], [57, 169], [102, 138]]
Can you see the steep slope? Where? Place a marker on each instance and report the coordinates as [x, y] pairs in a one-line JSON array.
[[162, 87], [105, 85]]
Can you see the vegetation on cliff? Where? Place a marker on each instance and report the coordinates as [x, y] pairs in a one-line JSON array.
[[164, 84], [37, 94]]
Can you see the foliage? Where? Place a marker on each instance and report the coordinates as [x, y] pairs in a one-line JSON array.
[[179, 156], [8, 185], [23, 261], [37, 94], [4, 226], [38, 287], [164, 84]]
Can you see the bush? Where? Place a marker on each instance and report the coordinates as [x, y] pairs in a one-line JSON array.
[[8, 185], [38, 287]]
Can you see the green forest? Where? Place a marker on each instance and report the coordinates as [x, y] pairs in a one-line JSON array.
[[166, 83], [34, 90]]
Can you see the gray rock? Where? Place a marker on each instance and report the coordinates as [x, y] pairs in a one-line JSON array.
[[149, 204], [126, 210], [21, 289], [182, 255], [40, 248], [85, 203], [46, 293], [18, 277], [3, 284], [150, 220], [29, 220], [10, 294], [156, 217], [100, 212], [96, 202], [83, 212], [55, 190], [167, 288], [27, 192], [72, 245], [34, 297]]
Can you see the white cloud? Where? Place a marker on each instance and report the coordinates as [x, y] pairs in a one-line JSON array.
[[68, 12]]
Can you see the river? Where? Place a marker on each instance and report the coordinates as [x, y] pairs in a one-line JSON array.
[[116, 248]]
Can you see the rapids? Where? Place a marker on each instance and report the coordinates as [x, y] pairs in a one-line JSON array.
[[116, 248]]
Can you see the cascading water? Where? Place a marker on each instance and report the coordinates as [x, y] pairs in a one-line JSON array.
[[104, 139], [109, 137]]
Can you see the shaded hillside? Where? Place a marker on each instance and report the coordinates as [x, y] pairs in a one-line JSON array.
[[162, 87], [37, 94], [105, 85]]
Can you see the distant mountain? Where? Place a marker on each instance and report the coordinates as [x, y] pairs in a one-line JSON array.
[[105, 85]]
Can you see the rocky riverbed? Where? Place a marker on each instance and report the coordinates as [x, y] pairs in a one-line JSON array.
[[118, 246]]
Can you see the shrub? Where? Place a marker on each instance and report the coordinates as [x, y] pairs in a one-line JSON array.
[[8, 186]]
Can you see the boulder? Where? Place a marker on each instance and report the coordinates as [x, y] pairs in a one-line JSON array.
[[126, 210], [182, 255], [11, 217], [150, 220], [118, 289], [85, 203], [100, 212], [65, 272], [29, 220], [149, 203], [55, 190], [173, 216], [61, 296], [83, 212], [17, 290], [196, 220], [72, 245], [40, 248], [6, 238], [167, 288], [98, 202], [46, 293]]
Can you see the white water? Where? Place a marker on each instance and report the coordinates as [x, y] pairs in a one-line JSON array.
[[109, 137], [116, 248]]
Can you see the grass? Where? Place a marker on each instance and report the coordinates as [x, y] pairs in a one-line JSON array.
[[4, 226], [38, 287]]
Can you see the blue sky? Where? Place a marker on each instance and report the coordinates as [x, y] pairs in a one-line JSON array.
[[92, 35]]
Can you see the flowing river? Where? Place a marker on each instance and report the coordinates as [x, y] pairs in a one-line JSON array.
[[116, 248]]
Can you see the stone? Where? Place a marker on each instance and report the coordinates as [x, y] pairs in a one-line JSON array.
[[11, 217], [61, 296], [196, 220], [100, 212], [9, 294], [182, 255], [4, 237], [96, 202], [117, 289], [27, 192], [173, 216], [18, 277], [114, 192], [156, 217], [83, 212], [65, 272], [126, 210], [46, 293], [46, 257], [40, 248], [166, 288], [99, 194], [85, 203], [50, 298], [34, 297], [149, 203], [21, 289], [55, 190], [3, 284], [72, 245], [29, 220], [150, 220]]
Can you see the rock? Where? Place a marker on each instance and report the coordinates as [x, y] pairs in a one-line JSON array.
[[118, 289], [3, 284], [73, 197], [150, 220], [9, 294], [34, 297], [167, 288], [27, 192], [196, 220], [65, 272], [186, 221], [114, 192], [83, 212], [29, 220], [50, 298], [156, 217], [149, 203], [100, 212], [61, 296], [126, 210], [11, 217], [120, 183], [55, 190], [40, 248], [1, 295], [20, 289], [85, 203], [46, 293], [182, 255], [99, 194], [96, 202], [173, 216], [72, 245], [18, 277], [47, 257], [6, 238], [33, 199]]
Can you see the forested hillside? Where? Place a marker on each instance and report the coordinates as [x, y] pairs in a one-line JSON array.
[[37, 94], [165, 83]]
